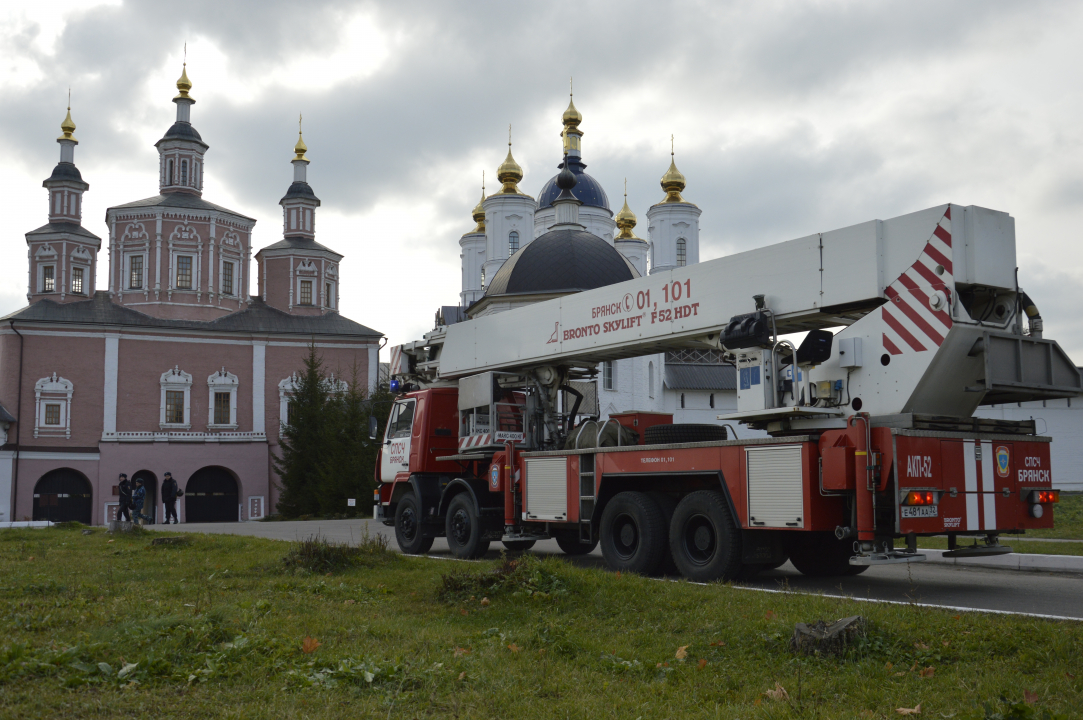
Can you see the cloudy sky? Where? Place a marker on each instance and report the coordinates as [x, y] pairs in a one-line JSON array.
[[790, 118]]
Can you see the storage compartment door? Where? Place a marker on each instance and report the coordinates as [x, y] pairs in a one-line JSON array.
[[775, 486], [546, 491]]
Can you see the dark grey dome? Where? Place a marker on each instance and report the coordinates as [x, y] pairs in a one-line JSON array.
[[301, 190], [182, 131], [587, 190], [66, 171], [561, 261]]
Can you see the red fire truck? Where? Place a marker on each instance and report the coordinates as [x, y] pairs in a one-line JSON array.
[[869, 436]]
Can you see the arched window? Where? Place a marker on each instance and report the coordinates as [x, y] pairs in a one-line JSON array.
[[712, 400], [682, 401], [682, 252], [513, 242], [169, 173], [650, 379], [184, 172]]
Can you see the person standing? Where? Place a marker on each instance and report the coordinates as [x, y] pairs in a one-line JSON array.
[[139, 496], [170, 493], [125, 491]]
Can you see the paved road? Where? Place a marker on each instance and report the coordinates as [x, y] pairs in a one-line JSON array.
[[976, 588]]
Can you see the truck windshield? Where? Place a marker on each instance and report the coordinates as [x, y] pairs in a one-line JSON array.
[[402, 419]]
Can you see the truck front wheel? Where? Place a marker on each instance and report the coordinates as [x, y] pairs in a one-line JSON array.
[[633, 533], [704, 539], [408, 527], [464, 534]]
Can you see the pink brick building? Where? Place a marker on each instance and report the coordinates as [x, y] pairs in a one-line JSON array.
[[174, 366]]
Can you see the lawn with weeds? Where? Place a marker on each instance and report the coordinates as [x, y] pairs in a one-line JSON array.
[[110, 626]]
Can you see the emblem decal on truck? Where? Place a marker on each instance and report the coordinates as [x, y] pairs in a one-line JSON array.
[[494, 477], [1002, 458]]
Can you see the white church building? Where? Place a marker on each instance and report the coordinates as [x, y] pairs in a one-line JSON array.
[[525, 250]]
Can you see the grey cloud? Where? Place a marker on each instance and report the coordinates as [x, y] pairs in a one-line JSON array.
[[463, 71]]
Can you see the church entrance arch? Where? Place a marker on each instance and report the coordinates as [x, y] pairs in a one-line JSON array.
[[150, 484], [211, 495], [63, 495]]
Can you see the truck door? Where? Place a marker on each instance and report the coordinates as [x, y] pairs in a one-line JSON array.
[[395, 457]]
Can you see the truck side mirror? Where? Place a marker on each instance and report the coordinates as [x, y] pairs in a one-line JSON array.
[[374, 427]]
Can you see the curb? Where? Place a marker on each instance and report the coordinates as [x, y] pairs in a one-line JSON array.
[[1012, 561]]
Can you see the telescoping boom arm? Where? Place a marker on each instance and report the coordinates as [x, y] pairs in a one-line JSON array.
[[927, 301]]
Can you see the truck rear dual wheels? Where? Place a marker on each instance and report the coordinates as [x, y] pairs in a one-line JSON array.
[[697, 537], [464, 531], [408, 531], [633, 533], [704, 539]]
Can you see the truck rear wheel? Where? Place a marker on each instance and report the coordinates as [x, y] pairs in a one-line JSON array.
[[633, 533], [570, 545], [408, 532], [821, 554], [704, 539], [464, 534]]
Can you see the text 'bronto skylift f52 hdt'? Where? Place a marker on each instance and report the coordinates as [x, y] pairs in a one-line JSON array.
[[870, 435]]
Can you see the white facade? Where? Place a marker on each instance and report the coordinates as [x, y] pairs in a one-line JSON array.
[[673, 226], [472, 256], [509, 217], [596, 220]]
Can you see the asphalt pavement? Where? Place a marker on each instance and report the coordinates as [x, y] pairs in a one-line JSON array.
[[985, 589]]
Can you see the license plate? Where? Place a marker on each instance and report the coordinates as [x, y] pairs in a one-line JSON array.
[[919, 511]]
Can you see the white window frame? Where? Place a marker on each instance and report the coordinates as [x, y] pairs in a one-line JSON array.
[[53, 390], [222, 381], [329, 291], [222, 277], [128, 271], [176, 379], [86, 280], [176, 271], [285, 392], [609, 375]]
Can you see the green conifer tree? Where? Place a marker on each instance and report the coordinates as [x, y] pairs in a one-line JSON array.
[[304, 440]]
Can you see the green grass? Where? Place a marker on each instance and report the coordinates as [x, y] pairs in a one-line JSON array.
[[1067, 519], [216, 629]]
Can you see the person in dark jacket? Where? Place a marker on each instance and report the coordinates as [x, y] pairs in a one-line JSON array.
[[125, 491], [170, 492], [139, 496]]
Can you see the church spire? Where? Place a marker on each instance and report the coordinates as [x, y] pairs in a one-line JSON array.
[[572, 135], [183, 100], [673, 181], [626, 219], [509, 172]]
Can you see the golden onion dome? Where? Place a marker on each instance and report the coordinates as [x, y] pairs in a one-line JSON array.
[[510, 174], [626, 219], [673, 181], [183, 83], [67, 127], [572, 117]]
